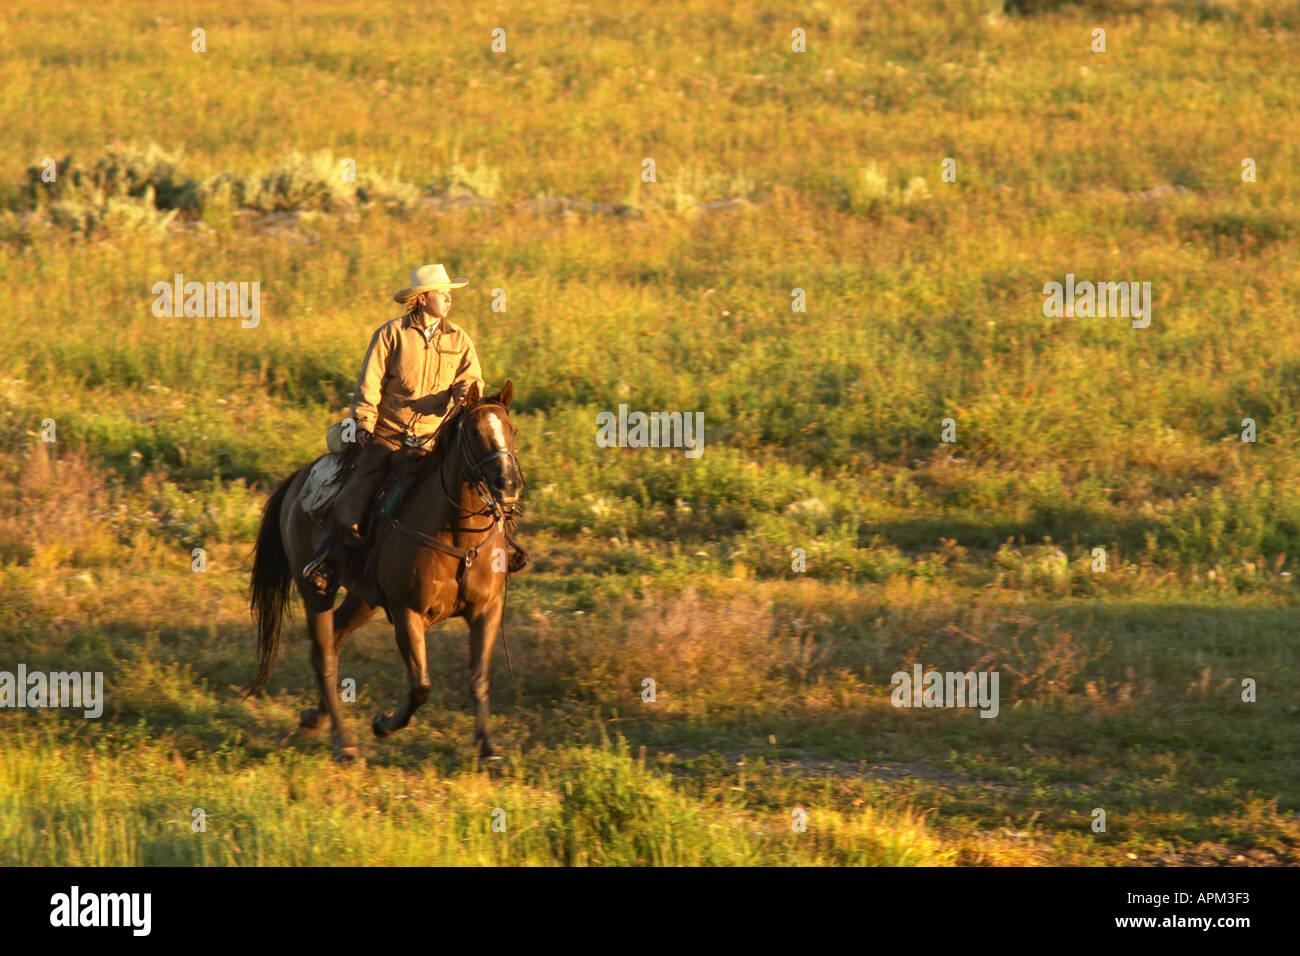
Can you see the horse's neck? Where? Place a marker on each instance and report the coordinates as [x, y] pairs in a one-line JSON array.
[[431, 512]]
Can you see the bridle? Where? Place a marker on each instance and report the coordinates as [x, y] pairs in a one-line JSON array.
[[492, 505], [474, 470]]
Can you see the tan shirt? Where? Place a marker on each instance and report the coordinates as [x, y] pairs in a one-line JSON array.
[[406, 376]]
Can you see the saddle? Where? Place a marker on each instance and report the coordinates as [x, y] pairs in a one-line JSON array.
[[387, 502], [329, 474]]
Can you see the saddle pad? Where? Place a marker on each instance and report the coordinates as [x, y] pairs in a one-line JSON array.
[[322, 485], [393, 500]]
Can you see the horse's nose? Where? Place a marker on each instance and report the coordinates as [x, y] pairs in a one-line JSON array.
[[506, 485]]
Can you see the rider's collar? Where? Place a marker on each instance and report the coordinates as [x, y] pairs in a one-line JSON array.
[[409, 321]]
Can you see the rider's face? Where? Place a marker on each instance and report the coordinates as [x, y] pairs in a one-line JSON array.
[[437, 303]]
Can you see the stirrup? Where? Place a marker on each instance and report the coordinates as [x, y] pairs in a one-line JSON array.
[[320, 578], [322, 554], [311, 567]]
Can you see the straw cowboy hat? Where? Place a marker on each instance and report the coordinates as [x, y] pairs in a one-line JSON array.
[[426, 278]]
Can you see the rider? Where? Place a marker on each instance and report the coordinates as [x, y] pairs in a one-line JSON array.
[[418, 368]]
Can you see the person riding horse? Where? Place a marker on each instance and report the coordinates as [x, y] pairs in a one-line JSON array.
[[418, 368]]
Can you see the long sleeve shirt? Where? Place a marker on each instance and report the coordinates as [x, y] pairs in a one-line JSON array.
[[406, 377]]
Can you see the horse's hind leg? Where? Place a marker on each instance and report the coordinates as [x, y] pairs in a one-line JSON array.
[[324, 661], [410, 644], [348, 616], [483, 629]]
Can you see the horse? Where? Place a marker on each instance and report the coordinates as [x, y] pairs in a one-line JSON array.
[[427, 564]]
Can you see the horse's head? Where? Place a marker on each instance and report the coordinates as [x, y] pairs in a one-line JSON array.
[[485, 436]]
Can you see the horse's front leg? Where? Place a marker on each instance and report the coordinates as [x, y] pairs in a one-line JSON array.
[[410, 644], [484, 625]]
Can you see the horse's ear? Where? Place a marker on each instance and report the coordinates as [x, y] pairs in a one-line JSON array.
[[473, 396], [507, 393]]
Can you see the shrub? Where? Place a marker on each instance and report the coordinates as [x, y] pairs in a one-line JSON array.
[[122, 173]]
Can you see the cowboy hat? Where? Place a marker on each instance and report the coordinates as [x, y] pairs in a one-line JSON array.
[[429, 277]]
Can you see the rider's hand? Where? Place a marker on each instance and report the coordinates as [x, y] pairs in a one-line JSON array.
[[363, 437], [458, 391]]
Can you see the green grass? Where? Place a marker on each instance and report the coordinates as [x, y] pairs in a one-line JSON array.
[[1120, 690]]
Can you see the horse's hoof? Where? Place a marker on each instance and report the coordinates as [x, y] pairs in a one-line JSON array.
[[377, 725], [347, 755], [311, 719]]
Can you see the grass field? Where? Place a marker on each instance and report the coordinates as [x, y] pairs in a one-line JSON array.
[[819, 171]]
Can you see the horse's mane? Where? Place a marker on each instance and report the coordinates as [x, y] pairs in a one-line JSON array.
[[441, 445]]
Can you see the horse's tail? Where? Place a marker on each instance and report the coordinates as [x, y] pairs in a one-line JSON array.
[[268, 592]]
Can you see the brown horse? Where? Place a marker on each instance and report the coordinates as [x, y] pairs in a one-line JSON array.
[[442, 555]]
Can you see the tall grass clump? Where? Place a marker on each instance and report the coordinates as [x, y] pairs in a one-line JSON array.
[[616, 812]]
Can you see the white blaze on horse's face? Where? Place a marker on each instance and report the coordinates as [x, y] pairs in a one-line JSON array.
[[504, 481], [498, 432]]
